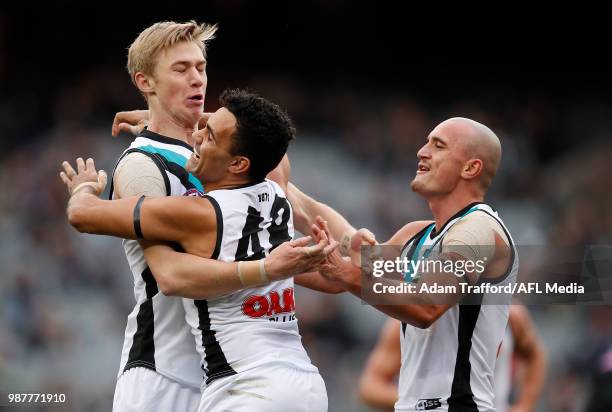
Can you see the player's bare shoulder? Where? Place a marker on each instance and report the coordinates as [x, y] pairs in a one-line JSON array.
[[479, 236], [137, 174]]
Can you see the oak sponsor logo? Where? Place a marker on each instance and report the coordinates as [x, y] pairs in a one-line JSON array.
[[270, 305]]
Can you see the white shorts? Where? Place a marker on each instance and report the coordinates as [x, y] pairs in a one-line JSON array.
[[143, 390], [271, 388]]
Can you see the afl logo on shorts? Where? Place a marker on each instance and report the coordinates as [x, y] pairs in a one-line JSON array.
[[194, 193]]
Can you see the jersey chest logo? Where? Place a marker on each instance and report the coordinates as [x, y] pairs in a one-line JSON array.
[[194, 193], [257, 306]]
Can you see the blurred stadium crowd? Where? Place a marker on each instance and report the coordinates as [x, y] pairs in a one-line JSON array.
[[64, 297]]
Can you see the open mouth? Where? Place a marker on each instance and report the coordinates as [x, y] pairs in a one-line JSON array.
[[421, 168], [195, 153], [198, 98]]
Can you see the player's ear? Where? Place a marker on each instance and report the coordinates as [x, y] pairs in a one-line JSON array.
[[146, 84], [472, 169], [239, 165]]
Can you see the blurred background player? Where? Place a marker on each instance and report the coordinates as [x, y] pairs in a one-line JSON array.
[[520, 371], [378, 382]]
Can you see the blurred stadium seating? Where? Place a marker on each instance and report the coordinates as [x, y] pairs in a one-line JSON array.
[[64, 296]]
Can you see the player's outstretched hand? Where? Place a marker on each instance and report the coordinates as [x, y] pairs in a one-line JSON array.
[[361, 237], [295, 257], [334, 264], [85, 176], [132, 121]]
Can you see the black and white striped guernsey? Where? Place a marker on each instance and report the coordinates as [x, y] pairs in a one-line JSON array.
[[157, 336], [257, 326], [450, 365]]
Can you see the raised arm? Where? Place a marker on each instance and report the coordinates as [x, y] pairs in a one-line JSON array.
[[175, 219], [133, 121], [180, 273], [305, 211], [190, 276], [320, 283], [314, 281], [178, 219], [176, 273], [423, 309], [305, 208]]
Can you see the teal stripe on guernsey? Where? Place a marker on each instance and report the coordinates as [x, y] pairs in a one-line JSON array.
[[408, 275], [174, 158]]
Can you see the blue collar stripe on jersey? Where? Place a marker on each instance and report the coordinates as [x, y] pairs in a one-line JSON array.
[[428, 251], [409, 276], [174, 158]]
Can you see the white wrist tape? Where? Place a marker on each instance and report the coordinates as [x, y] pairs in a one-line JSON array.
[[252, 273], [262, 271], [94, 185]]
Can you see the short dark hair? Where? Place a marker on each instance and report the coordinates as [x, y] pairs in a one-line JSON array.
[[263, 130]]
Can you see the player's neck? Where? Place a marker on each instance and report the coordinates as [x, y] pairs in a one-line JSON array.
[[443, 208], [229, 182], [166, 125]]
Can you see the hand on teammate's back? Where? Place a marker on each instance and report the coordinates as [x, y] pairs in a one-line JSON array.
[[85, 176], [134, 121]]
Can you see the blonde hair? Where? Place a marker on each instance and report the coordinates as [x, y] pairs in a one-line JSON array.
[[143, 52]]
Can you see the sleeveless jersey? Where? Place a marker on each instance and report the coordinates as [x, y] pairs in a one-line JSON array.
[[157, 336], [450, 365], [256, 326]]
